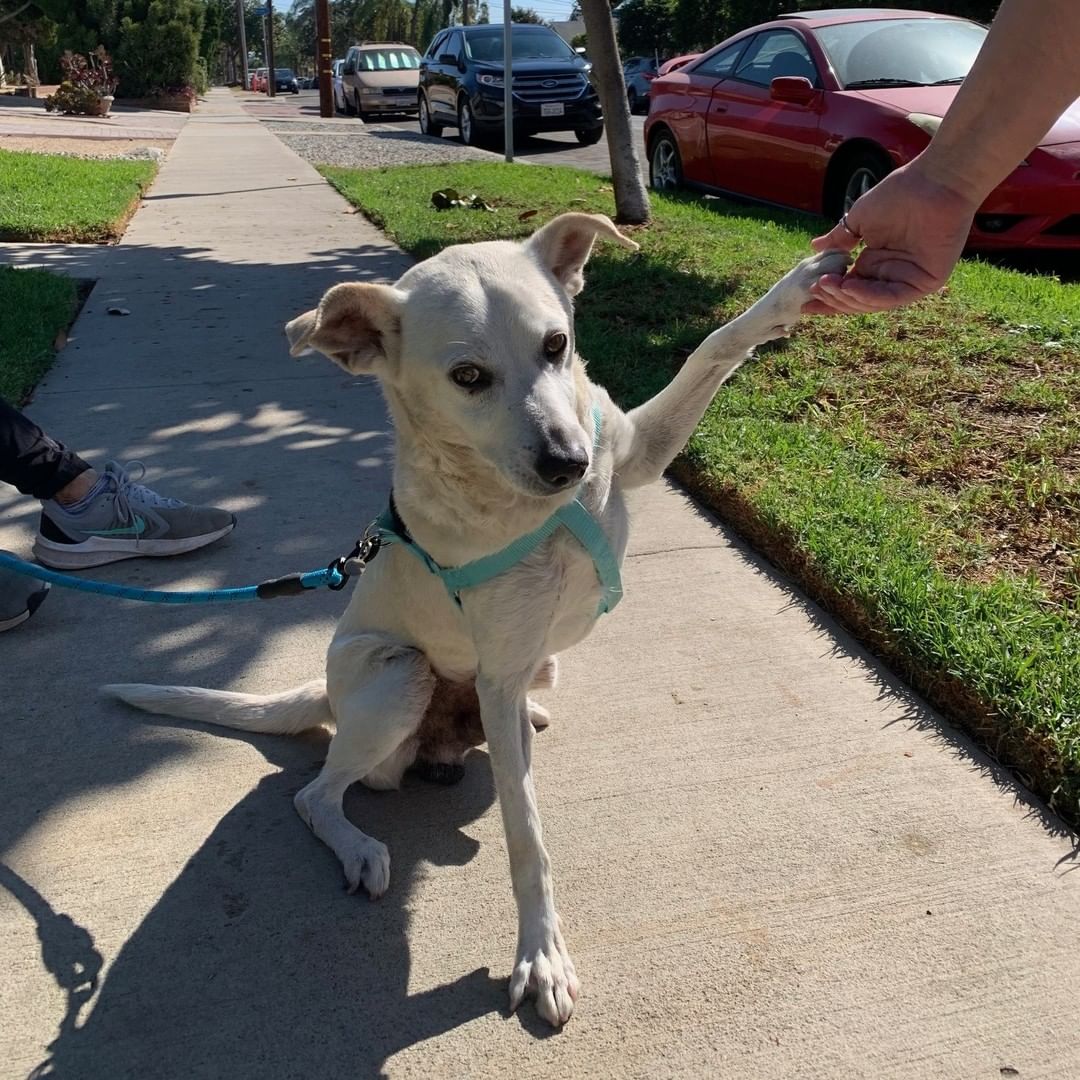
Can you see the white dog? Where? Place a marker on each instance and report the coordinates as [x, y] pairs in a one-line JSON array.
[[498, 427]]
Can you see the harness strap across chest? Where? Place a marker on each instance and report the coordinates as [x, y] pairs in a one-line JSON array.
[[574, 517]]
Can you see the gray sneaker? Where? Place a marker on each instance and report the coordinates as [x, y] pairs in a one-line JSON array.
[[124, 520], [20, 597]]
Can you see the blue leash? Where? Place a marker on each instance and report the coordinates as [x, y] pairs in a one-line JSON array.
[[333, 577]]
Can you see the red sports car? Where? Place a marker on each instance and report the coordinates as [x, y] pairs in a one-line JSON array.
[[812, 109]]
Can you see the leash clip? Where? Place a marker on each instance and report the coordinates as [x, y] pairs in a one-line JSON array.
[[355, 563]]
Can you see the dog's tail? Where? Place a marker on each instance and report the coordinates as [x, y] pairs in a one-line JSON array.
[[286, 713]]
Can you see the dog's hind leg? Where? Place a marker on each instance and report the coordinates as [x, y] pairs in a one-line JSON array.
[[379, 690]]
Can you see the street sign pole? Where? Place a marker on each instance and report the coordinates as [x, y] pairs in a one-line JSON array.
[[323, 58], [243, 45], [508, 88], [271, 71]]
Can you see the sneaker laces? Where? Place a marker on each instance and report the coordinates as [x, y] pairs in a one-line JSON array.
[[124, 482]]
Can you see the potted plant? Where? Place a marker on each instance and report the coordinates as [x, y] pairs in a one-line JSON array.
[[87, 89]]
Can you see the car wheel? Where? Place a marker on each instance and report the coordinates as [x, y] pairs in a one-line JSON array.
[[467, 123], [366, 117], [860, 173], [632, 100], [427, 125], [589, 136], [665, 165], [346, 103]]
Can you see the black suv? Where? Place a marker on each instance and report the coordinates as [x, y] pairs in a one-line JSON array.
[[461, 85]]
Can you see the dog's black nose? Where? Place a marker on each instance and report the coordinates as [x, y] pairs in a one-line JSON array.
[[562, 469]]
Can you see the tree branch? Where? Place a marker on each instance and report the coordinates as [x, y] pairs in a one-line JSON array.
[[17, 12]]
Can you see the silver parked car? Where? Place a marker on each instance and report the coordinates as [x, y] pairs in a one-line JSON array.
[[338, 86]]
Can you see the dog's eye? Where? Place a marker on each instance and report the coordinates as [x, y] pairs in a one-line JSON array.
[[470, 377], [555, 344]]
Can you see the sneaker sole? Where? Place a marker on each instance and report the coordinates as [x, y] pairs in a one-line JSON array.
[[32, 605], [99, 550]]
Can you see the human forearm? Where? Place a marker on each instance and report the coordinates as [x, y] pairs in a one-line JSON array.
[[1024, 78]]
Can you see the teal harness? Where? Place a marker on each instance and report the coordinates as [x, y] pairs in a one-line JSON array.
[[574, 517]]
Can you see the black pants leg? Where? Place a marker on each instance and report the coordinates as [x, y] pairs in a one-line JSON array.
[[30, 460]]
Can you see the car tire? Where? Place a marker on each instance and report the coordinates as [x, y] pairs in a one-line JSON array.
[[346, 103], [858, 175], [427, 125], [665, 164], [589, 136], [632, 101], [467, 123]]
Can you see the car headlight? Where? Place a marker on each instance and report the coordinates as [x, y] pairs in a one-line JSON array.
[[490, 80], [925, 122], [371, 91]]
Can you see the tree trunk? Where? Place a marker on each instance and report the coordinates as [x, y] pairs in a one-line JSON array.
[[631, 198]]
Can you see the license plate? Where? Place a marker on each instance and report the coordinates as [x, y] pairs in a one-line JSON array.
[[551, 108], [405, 99]]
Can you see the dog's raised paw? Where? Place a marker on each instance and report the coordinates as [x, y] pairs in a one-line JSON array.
[[368, 864], [544, 971], [784, 301]]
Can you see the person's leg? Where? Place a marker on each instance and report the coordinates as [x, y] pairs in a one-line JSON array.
[[90, 518], [37, 464]]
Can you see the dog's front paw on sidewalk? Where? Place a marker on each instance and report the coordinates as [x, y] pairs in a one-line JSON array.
[[544, 971]]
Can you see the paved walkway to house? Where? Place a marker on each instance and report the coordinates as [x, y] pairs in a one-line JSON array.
[[772, 860]]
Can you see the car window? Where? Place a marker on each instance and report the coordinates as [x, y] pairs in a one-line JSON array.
[[526, 43], [436, 44], [904, 51], [773, 54], [720, 65], [452, 46], [389, 60]]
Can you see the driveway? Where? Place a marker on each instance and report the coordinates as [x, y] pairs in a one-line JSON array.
[[556, 148]]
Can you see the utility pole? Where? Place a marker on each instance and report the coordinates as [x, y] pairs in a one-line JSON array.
[[243, 45], [508, 85], [271, 74], [323, 58]]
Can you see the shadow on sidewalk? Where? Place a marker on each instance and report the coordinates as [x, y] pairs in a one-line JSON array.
[[256, 962]]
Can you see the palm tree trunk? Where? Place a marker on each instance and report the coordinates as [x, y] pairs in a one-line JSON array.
[[631, 199]]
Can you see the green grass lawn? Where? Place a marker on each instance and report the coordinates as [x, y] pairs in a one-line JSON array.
[[34, 307], [69, 200], [919, 472]]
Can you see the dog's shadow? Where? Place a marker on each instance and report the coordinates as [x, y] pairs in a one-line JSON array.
[[256, 962]]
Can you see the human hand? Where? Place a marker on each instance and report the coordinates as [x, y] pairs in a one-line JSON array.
[[913, 230]]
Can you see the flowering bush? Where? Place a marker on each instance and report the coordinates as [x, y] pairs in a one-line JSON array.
[[88, 80]]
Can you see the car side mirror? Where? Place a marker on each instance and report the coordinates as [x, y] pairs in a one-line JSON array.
[[794, 89], [449, 59]]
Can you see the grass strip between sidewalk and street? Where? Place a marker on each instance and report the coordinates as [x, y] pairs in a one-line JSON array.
[[918, 472], [35, 307], [49, 197]]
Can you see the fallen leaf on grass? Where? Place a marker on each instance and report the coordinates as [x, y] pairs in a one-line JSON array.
[[526, 214], [60, 340]]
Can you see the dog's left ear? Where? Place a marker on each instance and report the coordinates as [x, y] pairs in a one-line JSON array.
[[564, 244], [357, 326]]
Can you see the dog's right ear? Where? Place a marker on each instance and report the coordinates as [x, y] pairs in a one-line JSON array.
[[357, 326]]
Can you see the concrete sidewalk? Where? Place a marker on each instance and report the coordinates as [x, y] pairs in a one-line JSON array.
[[772, 860]]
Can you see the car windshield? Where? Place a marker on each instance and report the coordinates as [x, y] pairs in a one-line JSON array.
[[525, 44], [284, 73], [388, 60], [901, 52]]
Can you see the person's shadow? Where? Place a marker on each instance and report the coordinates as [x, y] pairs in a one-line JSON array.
[[256, 962]]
